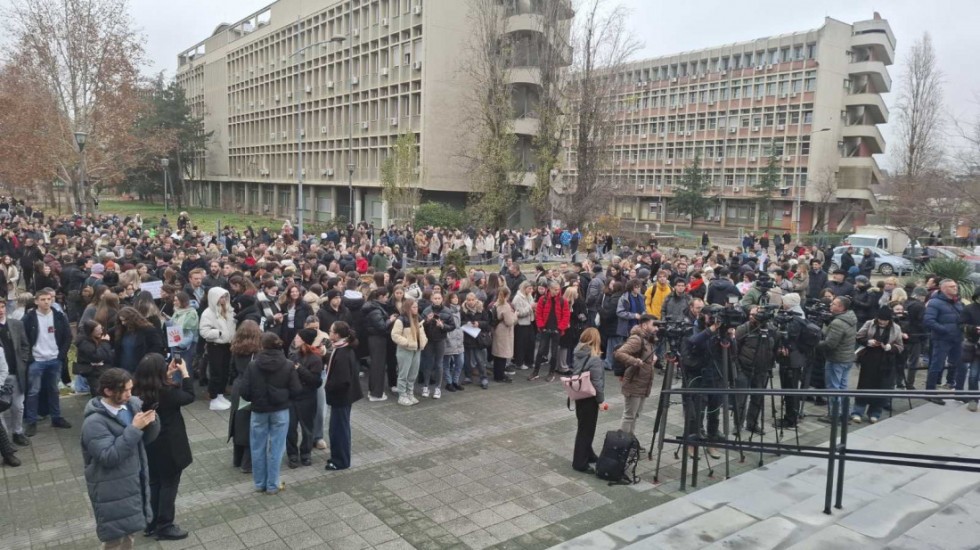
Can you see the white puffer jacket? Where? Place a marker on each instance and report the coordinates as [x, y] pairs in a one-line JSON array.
[[217, 328]]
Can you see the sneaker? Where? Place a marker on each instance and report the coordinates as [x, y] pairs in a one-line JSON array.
[[22, 441], [394, 389], [551, 378], [786, 423], [171, 533], [971, 406], [937, 401], [873, 419], [384, 397], [437, 393], [467, 381], [714, 453], [64, 424], [221, 397], [484, 383], [510, 371], [533, 377], [946, 387], [415, 400], [321, 445], [219, 405], [404, 400], [425, 391], [524, 367], [458, 387], [450, 387], [505, 380], [856, 418], [30, 430]]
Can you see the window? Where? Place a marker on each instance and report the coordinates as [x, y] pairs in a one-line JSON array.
[[805, 148], [811, 84], [807, 117]]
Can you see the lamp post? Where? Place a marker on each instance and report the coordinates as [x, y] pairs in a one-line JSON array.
[[80, 138], [165, 162], [799, 205]]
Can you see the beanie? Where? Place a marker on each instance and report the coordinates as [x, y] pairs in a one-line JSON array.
[[307, 335]]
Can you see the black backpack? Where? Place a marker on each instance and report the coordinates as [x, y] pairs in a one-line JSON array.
[[619, 368], [619, 457]]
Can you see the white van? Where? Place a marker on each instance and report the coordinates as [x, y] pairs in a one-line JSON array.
[[882, 237]]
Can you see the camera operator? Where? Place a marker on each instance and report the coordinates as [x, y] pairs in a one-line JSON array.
[[756, 358], [704, 368], [837, 345], [791, 358], [760, 293]]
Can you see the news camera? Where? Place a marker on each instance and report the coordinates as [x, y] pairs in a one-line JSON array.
[[817, 311]]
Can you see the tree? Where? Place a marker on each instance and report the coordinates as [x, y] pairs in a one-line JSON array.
[[490, 143], [768, 184], [400, 179], [438, 214], [691, 198], [603, 45], [929, 202], [86, 54], [920, 111]]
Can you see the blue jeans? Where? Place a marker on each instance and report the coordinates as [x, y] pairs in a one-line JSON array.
[[611, 344], [339, 433], [42, 376], [476, 357], [943, 350], [431, 363], [835, 376], [452, 366], [268, 443]]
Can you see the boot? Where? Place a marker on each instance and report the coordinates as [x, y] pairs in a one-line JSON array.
[[7, 449]]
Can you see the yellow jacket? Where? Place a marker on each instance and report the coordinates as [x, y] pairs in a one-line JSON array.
[[655, 298]]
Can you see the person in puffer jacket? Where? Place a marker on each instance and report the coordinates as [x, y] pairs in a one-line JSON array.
[[217, 328], [839, 338], [943, 318], [452, 361]]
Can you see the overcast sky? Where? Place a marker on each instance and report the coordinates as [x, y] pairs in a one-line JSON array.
[[669, 27]]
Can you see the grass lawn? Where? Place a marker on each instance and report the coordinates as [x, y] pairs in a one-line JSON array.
[[204, 218]]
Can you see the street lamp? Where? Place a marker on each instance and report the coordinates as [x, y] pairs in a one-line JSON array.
[[165, 162], [350, 123], [799, 205], [80, 138]]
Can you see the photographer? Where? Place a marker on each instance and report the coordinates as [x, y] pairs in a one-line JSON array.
[[638, 354], [704, 368], [760, 293], [915, 309], [838, 346], [756, 358], [791, 358]]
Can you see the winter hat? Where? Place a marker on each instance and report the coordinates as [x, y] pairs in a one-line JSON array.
[[792, 300], [307, 335], [885, 314], [861, 279], [331, 294], [98, 269]]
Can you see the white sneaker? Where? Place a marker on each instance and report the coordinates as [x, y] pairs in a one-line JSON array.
[[224, 399], [415, 400], [218, 404], [404, 400], [524, 367], [394, 389], [384, 397], [425, 391], [436, 393]]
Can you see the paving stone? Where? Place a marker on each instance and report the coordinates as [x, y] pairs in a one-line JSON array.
[[886, 516], [764, 535], [810, 511], [654, 520], [834, 537], [769, 501], [942, 486], [479, 539], [722, 493], [594, 540], [697, 532]]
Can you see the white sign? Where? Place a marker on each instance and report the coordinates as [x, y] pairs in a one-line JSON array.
[[175, 336], [153, 287]]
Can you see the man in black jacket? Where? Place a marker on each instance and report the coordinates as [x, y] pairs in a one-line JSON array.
[[16, 351], [514, 278], [839, 286], [333, 311], [865, 303], [722, 288], [817, 279], [847, 259], [915, 308], [438, 322], [49, 336], [377, 326]]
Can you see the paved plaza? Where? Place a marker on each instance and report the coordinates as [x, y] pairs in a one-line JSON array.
[[476, 469]]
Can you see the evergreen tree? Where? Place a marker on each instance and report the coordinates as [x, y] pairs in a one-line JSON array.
[[768, 184], [691, 198]]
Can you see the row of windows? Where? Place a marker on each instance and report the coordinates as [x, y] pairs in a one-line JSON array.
[[670, 125], [757, 150], [716, 92], [671, 179], [278, 100]]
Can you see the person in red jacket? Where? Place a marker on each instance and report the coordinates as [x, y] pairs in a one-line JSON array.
[[361, 263], [552, 316]]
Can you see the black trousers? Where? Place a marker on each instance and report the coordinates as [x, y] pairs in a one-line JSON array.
[[6, 446], [789, 379], [391, 366], [498, 369], [698, 408], [219, 362], [587, 413], [378, 351], [301, 412], [241, 457], [547, 345], [758, 379], [163, 498], [524, 345]]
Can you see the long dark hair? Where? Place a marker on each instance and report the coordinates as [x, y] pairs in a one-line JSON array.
[[150, 379]]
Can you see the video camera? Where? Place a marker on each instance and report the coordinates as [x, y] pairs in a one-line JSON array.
[[730, 316], [673, 331], [817, 311], [764, 314]]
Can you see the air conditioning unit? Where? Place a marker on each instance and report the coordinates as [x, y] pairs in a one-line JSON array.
[[277, 98], [732, 130], [792, 94], [417, 9], [689, 133], [781, 127], [323, 129], [384, 21], [328, 172], [261, 103], [673, 79], [759, 98], [261, 67], [670, 161], [309, 89], [787, 158], [283, 135], [289, 172], [768, 67], [711, 103], [272, 64], [289, 94], [355, 81], [384, 71], [751, 159], [251, 105], [330, 84], [355, 33], [284, 59], [663, 134], [720, 159], [251, 70], [785, 191], [736, 189], [632, 161], [393, 121], [418, 65], [755, 128], [723, 73], [759, 67], [302, 132], [364, 126], [239, 172], [272, 136], [643, 136], [782, 96]]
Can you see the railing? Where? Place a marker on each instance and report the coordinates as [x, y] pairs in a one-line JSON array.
[[837, 452]]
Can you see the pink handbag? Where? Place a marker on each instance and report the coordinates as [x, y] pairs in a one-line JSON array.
[[578, 386]]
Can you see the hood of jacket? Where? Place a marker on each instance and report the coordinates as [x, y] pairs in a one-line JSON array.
[[96, 406], [582, 354], [214, 296], [477, 308], [269, 360], [848, 317]]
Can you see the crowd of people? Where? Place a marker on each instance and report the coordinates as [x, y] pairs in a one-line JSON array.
[[284, 329]]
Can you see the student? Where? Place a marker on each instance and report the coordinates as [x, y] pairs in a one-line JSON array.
[[302, 407], [587, 358], [343, 390]]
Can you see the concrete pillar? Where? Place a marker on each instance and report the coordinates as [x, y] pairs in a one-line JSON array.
[[294, 214], [311, 205], [724, 212], [663, 210], [755, 218], [248, 189], [333, 202], [636, 213], [384, 213], [358, 205], [275, 200], [221, 195]]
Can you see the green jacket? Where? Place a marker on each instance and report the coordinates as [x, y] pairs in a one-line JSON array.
[[379, 262], [839, 338]]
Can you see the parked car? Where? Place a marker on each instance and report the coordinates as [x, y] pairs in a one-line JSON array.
[[886, 263], [923, 255]]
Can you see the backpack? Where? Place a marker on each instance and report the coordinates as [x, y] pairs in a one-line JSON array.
[[810, 336], [620, 453], [619, 368], [494, 319]]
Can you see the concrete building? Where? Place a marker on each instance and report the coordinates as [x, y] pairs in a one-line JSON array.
[[304, 75], [815, 96]]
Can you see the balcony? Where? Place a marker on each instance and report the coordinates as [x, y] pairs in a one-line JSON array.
[[874, 27], [871, 102], [867, 163], [884, 50], [525, 75], [876, 71], [526, 22], [526, 126], [869, 135]]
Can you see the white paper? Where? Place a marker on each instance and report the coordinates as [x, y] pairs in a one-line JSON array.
[[175, 336], [472, 331], [153, 287]]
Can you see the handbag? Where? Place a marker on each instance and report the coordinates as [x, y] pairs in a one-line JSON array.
[[6, 395], [578, 386]]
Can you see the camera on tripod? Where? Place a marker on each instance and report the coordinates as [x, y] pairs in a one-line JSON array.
[[817, 311], [730, 316], [673, 331]]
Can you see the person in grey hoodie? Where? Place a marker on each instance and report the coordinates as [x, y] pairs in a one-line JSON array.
[[588, 358], [115, 433]]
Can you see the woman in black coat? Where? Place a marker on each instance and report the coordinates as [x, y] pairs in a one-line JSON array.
[[245, 346], [294, 313], [302, 407], [135, 339], [343, 390], [170, 453], [94, 354]]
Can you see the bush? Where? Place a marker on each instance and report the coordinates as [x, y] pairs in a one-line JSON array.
[[950, 268], [439, 214], [455, 261]]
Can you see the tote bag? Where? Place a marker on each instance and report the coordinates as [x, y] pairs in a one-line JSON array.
[[578, 386]]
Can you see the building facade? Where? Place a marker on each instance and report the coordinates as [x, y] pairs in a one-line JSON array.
[[334, 83], [813, 99]]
